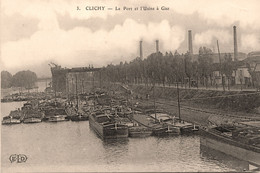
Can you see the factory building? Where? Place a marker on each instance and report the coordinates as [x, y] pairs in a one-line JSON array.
[[74, 81]]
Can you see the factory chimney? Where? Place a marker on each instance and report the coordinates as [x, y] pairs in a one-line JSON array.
[[157, 46], [235, 43], [141, 49], [190, 42]]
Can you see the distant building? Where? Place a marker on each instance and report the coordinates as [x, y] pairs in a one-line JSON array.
[[74, 80], [253, 62], [257, 75], [80, 80], [253, 58], [58, 78], [241, 74], [215, 57]]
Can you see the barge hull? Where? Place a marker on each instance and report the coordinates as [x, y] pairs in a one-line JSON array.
[[108, 132], [241, 153]]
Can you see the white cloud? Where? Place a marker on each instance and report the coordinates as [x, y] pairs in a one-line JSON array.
[[209, 37], [221, 12], [81, 46], [250, 41]]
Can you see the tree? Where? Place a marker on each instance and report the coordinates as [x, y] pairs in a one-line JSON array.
[[25, 79], [168, 68], [6, 79], [189, 71], [227, 68], [254, 75], [205, 64], [179, 67]]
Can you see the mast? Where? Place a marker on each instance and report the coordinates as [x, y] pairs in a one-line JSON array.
[[82, 87], [77, 92], [100, 79], [55, 90], [93, 80], [155, 116], [72, 88], [179, 108], [68, 89], [46, 84]]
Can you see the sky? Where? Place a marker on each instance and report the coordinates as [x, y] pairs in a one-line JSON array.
[[37, 32]]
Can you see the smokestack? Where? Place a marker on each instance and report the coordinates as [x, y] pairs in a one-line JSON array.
[[190, 42], [141, 49], [235, 42], [157, 46]]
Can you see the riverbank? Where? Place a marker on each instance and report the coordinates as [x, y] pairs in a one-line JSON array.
[[7, 91], [198, 105], [40, 87], [232, 101]]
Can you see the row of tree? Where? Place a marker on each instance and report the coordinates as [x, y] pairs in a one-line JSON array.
[[170, 68], [24, 79]]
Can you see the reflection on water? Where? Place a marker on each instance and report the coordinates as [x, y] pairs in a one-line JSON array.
[[40, 84], [223, 159], [115, 142], [74, 144]]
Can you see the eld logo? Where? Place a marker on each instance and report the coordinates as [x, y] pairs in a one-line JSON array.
[[18, 158]]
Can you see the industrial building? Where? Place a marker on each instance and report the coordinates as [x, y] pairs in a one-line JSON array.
[[75, 80]]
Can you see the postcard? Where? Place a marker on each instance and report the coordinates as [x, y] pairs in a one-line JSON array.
[[130, 85]]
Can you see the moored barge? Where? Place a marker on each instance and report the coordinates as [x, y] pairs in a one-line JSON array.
[[106, 127], [10, 120], [241, 143], [14, 117]]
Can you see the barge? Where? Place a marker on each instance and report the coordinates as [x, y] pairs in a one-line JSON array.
[[107, 128], [242, 143], [10, 120], [14, 117]]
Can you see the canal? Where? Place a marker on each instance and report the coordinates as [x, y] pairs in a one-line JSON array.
[[73, 145]]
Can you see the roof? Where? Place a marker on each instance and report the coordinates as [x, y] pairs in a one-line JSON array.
[[255, 53], [83, 69], [253, 57]]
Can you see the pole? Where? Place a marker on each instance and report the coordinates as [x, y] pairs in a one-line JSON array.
[[179, 108], [72, 90], [55, 89], [220, 70], [100, 79], [93, 80], [126, 98], [46, 84], [68, 90], [155, 116], [82, 83], [77, 92]]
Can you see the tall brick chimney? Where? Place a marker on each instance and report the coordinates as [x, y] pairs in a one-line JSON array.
[[190, 42], [141, 49], [235, 42], [157, 46]]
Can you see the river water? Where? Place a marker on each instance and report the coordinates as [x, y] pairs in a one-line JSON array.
[[73, 146], [70, 145]]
